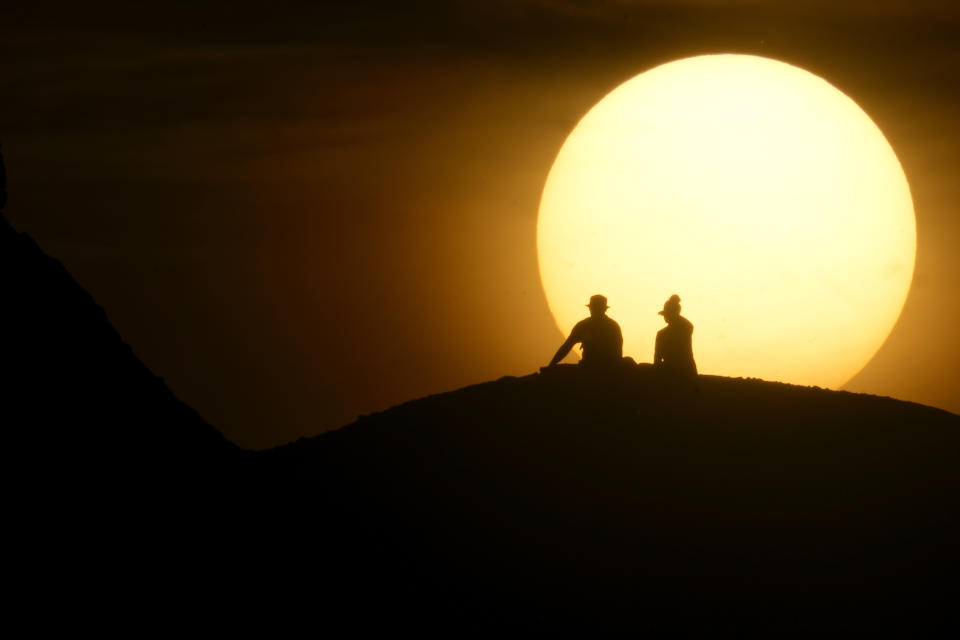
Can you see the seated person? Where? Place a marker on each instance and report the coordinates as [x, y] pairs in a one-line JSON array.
[[673, 352], [599, 336]]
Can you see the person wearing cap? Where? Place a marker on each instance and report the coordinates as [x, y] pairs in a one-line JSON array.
[[673, 351], [599, 336]]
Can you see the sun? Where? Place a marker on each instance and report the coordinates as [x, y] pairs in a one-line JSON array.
[[761, 194]]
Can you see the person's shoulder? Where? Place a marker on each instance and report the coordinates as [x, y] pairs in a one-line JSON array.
[[610, 322]]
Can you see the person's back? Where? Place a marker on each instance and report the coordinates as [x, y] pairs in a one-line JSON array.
[[673, 351], [600, 338]]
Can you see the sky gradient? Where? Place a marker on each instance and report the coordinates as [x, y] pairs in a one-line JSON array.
[[299, 214]]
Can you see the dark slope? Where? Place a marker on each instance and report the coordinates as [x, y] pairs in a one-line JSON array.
[[95, 442], [547, 502], [561, 500], [72, 381], [120, 495]]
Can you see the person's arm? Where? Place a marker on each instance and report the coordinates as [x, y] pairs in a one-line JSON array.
[[657, 351], [566, 346], [619, 342]]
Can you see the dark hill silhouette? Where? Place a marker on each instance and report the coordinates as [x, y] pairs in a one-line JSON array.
[[99, 450], [550, 501], [553, 497], [72, 378]]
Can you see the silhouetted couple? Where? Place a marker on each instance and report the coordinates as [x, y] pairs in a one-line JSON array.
[[602, 341]]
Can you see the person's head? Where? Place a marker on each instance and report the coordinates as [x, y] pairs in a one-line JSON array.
[[598, 305], [671, 309]]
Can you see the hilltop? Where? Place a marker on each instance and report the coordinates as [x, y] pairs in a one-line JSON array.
[[559, 499], [551, 501]]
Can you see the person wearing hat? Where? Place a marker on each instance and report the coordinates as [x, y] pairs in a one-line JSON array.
[[599, 336], [673, 351]]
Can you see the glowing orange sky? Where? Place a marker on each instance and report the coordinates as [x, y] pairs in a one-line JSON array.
[[299, 217]]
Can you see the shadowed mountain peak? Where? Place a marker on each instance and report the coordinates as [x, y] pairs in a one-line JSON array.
[[76, 395]]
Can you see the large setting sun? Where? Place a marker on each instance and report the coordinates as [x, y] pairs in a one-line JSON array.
[[761, 194]]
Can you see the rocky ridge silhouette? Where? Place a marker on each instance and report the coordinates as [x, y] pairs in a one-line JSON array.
[[551, 501]]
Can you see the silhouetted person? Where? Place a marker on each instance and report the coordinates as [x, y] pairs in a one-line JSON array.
[[600, 338], [673, 352]]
